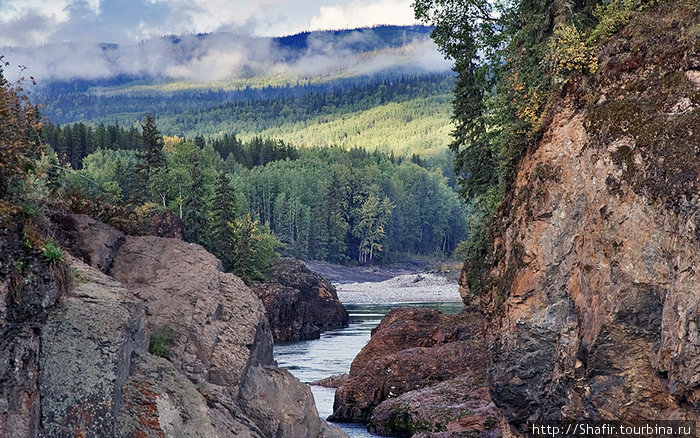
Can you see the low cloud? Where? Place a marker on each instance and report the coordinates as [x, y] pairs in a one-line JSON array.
[[225, 55]]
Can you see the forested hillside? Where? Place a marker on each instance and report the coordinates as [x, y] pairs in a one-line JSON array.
[[348, 163], [321, 203]]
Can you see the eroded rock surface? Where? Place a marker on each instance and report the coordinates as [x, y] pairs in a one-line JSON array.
[[222, 340], [87, 345], [29, 287], [597, 305], [87, 239], [410, 351], [300, 303]]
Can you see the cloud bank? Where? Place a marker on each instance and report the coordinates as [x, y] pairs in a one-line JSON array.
[[225, 55]]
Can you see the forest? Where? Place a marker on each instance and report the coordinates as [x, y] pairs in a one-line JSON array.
[[328, 203]]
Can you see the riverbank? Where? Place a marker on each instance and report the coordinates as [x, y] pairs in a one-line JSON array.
[[406, 288], [407, 282]]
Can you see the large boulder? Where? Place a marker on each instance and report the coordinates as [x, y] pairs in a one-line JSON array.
[[457, 407], [300, 303], [221, 339], [87, 239], [411, 349]]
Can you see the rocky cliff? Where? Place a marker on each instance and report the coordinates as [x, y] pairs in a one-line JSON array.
[[83, 361], [299, 303], [595, 298], [29, 286]]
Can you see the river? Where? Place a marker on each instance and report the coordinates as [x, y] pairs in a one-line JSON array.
[[335, 350]]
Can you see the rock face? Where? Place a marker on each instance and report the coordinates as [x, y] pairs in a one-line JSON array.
[[596, 312], [87, 345], [29, 286], [222, 339], [410, 352], [87, 239], [79, 366], [300, 303]]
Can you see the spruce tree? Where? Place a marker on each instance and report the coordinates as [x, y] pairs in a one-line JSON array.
[[195, 214], [223, 214], [150, 156]]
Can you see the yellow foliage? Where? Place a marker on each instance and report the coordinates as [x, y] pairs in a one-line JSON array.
[[568, 55]]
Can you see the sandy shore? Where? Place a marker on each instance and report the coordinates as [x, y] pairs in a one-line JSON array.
[[407, 288]]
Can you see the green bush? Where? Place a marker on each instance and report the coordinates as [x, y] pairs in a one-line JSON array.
[[52, 253], [161, 339], [613, 15]]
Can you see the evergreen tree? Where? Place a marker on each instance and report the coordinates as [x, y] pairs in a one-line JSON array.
[[223, 215], [195, 207], [151, 158]]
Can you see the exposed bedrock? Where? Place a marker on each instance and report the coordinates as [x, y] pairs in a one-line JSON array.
[[395, 381], [596, 305], [79, 366], [300, 304]]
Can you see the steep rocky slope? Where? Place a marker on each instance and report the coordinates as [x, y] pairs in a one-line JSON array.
[[299, 303], [595, 299], [79, 366], [29, 287]]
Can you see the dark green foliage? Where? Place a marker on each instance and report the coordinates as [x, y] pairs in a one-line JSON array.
[[222, 216], [151, 160], [195, 206], [161, 340]]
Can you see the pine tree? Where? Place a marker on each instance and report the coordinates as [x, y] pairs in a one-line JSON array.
[[195, 214]]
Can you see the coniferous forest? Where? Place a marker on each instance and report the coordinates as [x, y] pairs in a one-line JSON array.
[[325, 203]]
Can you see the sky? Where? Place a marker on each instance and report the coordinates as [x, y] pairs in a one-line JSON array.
[[38, 22]]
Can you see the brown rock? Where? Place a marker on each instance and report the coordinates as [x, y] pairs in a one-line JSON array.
[[453, 408], [222, 342], [600, 257], [300, 303], [410, 349], [332, 382], [87, 239]]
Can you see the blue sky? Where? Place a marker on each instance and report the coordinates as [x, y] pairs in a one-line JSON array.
[[37, 22]]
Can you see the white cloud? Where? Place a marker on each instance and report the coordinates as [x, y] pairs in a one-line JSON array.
[[362, 13]]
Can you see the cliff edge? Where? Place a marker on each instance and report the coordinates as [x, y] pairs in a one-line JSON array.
[[595, 297]]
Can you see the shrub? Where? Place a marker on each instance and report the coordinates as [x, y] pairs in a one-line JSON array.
[[52, 253], [613, 15], [569, 56], [161, 339]]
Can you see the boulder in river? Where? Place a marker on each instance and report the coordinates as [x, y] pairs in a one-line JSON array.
[[300, 303], [411, 351]]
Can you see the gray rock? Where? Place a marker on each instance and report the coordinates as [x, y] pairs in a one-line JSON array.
[[157, 400], [86, 348]]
